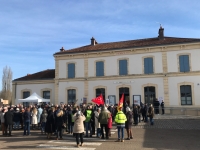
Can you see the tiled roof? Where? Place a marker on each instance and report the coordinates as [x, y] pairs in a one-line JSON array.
[[129, 44], [42, 75]]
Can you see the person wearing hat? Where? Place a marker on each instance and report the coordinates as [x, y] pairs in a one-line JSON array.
[[120, 120], [78, 129]]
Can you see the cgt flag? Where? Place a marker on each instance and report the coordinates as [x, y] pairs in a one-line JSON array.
[[121, 102], [98, 100]]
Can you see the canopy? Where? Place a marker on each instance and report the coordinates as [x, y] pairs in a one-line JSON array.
[[34, 98]]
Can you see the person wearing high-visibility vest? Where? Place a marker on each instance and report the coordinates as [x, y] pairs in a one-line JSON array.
[[120, 120], [88, 114]]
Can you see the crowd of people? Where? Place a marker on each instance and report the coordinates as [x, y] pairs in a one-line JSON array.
[[54, 120]]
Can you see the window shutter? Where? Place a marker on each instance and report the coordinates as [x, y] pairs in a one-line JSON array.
[[120, 67], [123, 67], [101, 68], [186, 63], [97, 68], [181, 63], [146, 68], [150, 65], [71, 70]]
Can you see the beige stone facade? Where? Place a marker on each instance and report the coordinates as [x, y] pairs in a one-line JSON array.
[[166, 78]]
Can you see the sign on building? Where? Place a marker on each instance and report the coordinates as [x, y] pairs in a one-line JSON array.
[[136, 99], [112, 99]]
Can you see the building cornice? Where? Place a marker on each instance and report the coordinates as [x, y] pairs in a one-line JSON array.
[[129, 51], [132, 76], [33, 82]]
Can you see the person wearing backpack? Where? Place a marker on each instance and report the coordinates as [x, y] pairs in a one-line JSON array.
[[128, 123]]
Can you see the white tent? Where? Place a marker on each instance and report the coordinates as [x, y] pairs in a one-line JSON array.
[[34, 98]]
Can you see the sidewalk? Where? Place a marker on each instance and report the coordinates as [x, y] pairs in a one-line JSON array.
[[167, 116]]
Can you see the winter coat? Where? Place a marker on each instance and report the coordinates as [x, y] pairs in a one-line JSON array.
[[43, 117], [96, 116], [34, 118], [59, 120], [69, 116], [17, 116], [162, 104], [78, 123], [27, 116], [8, 118], [50, 124], [103, 117], [2, 117], [120, 119], [151, 112], [39, 114], [129, 117]]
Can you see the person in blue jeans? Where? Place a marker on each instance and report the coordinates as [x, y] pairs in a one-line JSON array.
[[120, 119], [43, 120], [97, 124], [27, 118], [88, 114], [16, 119]]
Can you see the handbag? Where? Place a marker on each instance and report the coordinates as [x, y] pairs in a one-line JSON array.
[[64, 125]]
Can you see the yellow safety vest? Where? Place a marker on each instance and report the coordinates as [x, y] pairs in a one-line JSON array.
[[120, 118]]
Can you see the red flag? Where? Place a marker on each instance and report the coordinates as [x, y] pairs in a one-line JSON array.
[[120, 104], [98, 100]]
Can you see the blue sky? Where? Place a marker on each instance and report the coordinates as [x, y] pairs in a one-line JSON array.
[[32, 31]]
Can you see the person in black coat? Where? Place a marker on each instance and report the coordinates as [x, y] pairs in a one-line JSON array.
[[69, 120], [135, 115], [163, 107], [145, 111], [59, 120], [8, 121], [50, 124], [16, 119], [128, 123]]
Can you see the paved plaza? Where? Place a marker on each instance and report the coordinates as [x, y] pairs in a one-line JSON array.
[[168, 133]]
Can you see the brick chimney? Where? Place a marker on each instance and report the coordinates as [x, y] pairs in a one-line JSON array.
[[62, 49], [93, 41], [161, 33]]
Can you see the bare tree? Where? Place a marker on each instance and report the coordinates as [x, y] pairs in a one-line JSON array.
[[6, 92]]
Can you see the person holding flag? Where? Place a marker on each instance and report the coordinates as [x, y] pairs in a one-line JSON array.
[[120, 120]]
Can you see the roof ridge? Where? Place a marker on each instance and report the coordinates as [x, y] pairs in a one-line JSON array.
[[154, 41]]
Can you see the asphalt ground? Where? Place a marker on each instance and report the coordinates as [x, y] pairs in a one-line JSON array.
[[167, 133]]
